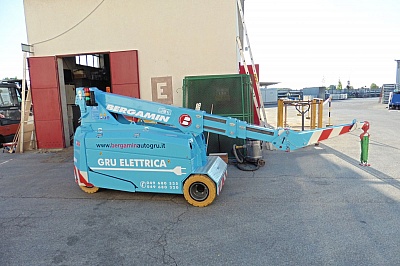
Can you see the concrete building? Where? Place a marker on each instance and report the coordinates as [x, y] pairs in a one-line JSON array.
[[314, 92], [139, 48]]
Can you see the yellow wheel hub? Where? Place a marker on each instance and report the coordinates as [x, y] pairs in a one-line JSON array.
[[199, 190], [89, 190]]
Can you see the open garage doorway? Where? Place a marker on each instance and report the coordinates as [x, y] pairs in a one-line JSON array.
[[84, 70], [116, 71], [53, 83], [88, 70]]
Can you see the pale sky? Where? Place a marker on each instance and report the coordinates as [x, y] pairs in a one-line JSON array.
[[298, 43], [317, 42], [12, 34]]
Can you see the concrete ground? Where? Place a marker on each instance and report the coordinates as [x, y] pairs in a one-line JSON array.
[[313, 206]]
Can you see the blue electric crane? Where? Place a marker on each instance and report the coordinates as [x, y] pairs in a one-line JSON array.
[[134, 145]]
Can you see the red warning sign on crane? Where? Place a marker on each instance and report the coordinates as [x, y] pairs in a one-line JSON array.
[[185, 120]]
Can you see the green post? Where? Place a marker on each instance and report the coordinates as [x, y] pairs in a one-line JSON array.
[[364, 145]]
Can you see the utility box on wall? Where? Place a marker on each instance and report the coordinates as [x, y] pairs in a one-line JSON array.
[[225, 95]]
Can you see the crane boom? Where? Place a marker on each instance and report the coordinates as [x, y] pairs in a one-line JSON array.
[[197, 122]]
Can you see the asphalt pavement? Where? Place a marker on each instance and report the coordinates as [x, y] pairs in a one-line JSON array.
[[313, 206]]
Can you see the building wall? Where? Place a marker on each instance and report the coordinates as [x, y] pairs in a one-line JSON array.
[[174, 38]]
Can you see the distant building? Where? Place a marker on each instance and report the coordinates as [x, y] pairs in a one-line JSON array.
[[314, 92]]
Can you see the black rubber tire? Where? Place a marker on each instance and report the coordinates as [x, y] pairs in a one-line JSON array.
[[260, 162], [2, 140]]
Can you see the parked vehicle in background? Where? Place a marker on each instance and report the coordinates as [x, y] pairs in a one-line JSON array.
[[394, 100], [10, 109]]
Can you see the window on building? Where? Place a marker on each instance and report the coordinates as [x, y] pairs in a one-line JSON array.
[[90, 60]]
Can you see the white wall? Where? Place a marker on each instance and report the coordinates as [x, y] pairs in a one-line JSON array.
[[175, 38]]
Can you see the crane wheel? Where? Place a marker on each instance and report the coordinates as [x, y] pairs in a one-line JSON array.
[[199, 190], [89, 190]]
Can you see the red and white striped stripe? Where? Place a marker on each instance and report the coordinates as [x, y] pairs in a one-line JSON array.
[[222, 182], [81, 178], [329, 133]]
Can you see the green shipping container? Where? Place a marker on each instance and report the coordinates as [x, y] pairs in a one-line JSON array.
[[225, 95]]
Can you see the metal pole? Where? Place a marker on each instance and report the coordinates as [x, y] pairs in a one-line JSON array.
[[313, 114], [285, 122], [280, 113], [329, 112], [364, 144], [22, 122], [320, 112]]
